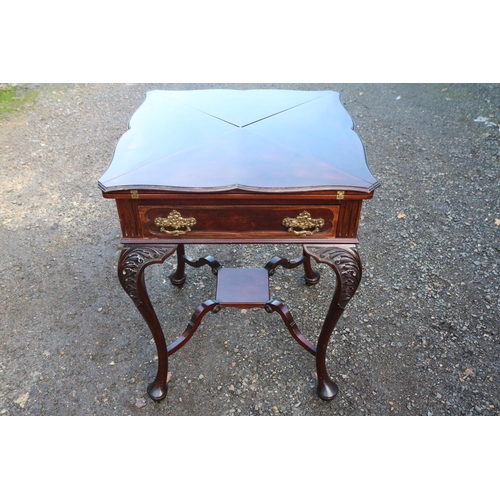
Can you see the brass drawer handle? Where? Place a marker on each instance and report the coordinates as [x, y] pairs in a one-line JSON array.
[[304, 222], [174, 219]]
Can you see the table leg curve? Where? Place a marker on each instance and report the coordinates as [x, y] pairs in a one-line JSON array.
[[346, 263], [311, 277], [131, 265], [178, 277]]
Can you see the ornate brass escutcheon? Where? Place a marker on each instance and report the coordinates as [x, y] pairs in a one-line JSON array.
[[181, 225], [303, 224]]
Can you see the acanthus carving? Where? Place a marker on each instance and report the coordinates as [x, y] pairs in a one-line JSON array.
[[133, 260], [346, 261]]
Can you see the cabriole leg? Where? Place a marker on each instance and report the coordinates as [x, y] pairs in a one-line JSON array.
[[346, 263], [133, 261]]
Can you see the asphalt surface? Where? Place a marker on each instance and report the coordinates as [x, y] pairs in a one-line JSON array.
[[421, 336]]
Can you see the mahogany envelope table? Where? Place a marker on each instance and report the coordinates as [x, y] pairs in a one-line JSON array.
[[240, 167]]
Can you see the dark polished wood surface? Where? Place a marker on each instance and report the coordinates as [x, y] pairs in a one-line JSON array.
[[225, 166], [254, 140], [242, 287]]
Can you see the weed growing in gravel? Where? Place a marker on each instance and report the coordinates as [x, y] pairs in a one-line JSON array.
[[14, 99]]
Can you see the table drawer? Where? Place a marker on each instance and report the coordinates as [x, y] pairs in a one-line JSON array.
[[238, 221]]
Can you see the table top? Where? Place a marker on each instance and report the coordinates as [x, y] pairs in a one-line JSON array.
[[252, 140]]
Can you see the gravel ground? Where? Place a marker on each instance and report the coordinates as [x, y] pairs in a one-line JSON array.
[[421, 336]]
